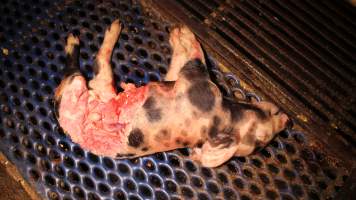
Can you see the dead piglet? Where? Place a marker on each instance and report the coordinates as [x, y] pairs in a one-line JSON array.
[[185, 110]]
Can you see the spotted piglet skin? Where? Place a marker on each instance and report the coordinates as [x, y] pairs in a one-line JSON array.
[[192, 113], [185, 110]]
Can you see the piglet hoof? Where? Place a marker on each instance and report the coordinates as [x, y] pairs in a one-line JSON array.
[[183, 42], [112, 33], [181, 36], [174, 34], [115, 26], [71, 42]]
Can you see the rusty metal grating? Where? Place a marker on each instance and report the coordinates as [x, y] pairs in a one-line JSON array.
[[291, 167], [298, 53]]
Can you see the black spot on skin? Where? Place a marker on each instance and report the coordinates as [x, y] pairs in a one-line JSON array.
[[186, 143], [225, 142], [178, 141], [214, 129], [96, 68], [167, 85], [213, 132], [153, 113], [72, 62], [224, 136], [200, 144], [150, 103], [203, 130], [201, 96], [194, 70], [119, 155], [70, 73], [228, 130], [237, 110], [144, 149], [250, 136], [227, 136], [163, 134], [135, 138]]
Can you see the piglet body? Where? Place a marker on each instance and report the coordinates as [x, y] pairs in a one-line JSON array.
[[185, 110]]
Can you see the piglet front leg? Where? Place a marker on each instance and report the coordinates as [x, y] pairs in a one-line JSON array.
[[185, 48], [210, 156]]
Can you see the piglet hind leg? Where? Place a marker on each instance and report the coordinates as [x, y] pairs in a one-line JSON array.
[[185, 48], [103, 82], [71, 69], [71, 94]]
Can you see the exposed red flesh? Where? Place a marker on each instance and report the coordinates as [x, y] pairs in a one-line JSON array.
[[95, 124]]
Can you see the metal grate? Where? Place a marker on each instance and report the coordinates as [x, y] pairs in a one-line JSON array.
[[300, 54], [291, 167]]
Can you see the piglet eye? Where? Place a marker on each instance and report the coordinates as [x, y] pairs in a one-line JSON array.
[[278, 112]]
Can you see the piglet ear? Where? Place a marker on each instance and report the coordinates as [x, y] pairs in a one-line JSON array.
[[215, 156]]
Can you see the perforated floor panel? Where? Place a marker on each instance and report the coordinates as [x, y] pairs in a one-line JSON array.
[[32, 36]]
